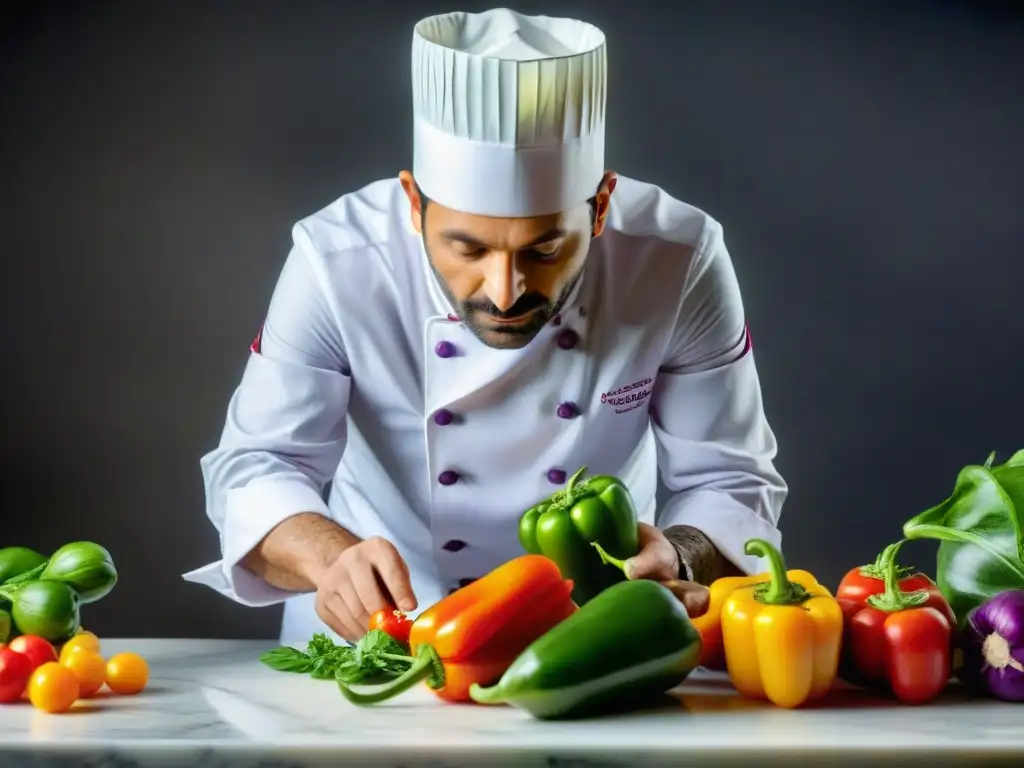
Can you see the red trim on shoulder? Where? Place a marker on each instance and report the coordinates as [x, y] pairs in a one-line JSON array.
[[748, 345], [257, 343]]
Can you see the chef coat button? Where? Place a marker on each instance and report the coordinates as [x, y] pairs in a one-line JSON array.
[[448, 477], [556, 476], [443, 417], [583, 311], [465, 582], [567, 339], [453, 318], [568, 411], [556, 320], [453, 546], [445, 349]]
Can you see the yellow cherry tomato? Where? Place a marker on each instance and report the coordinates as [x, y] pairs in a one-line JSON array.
[[127, 673], [89, 667], [53, 688], [85, 640]]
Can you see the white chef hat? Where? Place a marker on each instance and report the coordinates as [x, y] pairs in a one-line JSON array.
[[509, 112]]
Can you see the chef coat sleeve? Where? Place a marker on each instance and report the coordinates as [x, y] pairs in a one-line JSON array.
[[285, 429], [715, 446]]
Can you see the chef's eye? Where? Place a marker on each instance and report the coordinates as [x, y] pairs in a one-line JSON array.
[[468, 251], [545, 252]]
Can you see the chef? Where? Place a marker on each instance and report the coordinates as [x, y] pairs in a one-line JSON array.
[[443, 349]]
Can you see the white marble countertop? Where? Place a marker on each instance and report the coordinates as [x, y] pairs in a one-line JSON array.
[[212, 704]]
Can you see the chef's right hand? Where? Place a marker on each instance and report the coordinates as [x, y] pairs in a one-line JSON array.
[[366, 577]]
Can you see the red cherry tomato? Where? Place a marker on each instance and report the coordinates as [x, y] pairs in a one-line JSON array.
[[38, 650], [393, 623], [15, 670]]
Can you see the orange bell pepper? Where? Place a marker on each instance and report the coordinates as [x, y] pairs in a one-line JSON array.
[[709, 623], [474, 634]]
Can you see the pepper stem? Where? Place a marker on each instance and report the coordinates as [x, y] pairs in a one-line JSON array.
[[608, 559], [894, 599], [427, 666], [876, 570], [779, 590], [571, 485], [494, 694]]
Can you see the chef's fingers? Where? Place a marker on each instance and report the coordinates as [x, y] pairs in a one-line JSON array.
[[657, 558], [695, 597], [357, 616], [394, 573], [368, 588], [331, 609]]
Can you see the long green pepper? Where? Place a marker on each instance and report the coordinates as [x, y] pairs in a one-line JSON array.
[[629, 645], [563, 526]]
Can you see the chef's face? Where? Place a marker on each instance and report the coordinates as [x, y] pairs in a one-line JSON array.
[[507, 277]]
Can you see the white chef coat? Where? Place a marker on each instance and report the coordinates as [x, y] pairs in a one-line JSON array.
[[648, 365]]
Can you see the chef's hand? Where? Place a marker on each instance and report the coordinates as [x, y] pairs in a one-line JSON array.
[[658, 560], [366, 577]]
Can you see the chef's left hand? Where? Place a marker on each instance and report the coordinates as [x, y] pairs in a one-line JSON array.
[[658, 560]]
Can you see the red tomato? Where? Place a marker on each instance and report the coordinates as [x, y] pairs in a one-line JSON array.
[[393, 623], [15, 670], [38, 650]]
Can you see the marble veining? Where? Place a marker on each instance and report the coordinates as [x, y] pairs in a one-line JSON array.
[[211, 704]]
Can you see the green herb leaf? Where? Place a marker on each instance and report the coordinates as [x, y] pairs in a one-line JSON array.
[[376, 657], [981, 551], [378, 641], [286, 659]]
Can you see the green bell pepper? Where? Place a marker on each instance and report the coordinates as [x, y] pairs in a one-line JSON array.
[[562, 526], [624, 649]]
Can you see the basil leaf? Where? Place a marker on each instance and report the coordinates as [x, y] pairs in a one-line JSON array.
[[981, 552], [287, 659], [378, 641]]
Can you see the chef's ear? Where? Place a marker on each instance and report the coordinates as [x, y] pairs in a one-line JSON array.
[[416, 200], [602, 201]]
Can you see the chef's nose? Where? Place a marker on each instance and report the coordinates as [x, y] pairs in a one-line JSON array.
[[504, 282]]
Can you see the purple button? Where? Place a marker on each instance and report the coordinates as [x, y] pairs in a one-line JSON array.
[[448, 477], [556, 476], [453, 318], [568, 411], [445, 349], [568, 338], [453, 546], [556, 320], [444, 417]]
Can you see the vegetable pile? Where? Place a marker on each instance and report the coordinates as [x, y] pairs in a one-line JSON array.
[[555, 632], [53, 678], [43, 596]]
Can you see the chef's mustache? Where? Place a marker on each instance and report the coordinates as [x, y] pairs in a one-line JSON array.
[[526, 303]]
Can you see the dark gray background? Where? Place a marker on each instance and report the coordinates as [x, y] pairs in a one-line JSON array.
[[864, 157]]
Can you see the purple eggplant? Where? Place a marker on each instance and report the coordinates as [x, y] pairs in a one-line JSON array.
[[993, 646]]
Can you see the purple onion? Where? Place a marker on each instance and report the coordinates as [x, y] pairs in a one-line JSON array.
[[993, 644]]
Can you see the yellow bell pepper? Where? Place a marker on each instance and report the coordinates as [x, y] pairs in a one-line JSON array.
[[709, 623], [782, 639]]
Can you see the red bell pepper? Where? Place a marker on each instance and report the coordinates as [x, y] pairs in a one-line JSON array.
[[861, 583], [898, 640]]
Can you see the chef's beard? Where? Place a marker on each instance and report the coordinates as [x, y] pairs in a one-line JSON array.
[[471, 313]]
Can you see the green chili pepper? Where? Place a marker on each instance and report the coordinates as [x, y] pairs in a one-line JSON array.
[[562, 526], [624, 649]]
